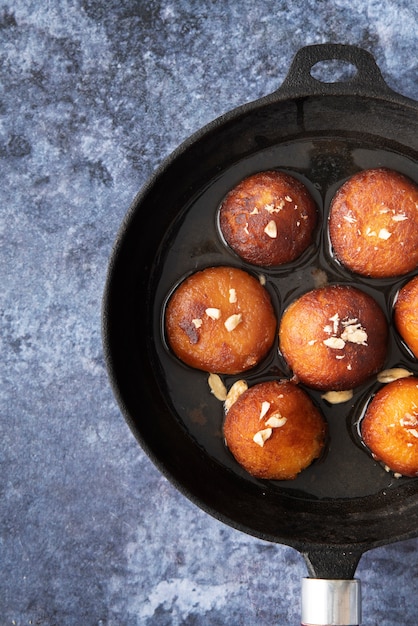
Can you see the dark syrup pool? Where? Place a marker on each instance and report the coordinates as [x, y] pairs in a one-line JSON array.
[[194, 242]]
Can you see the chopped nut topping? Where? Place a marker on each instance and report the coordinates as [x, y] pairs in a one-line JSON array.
[[232, 296], [217, 387], [349, 217], [274, 208], [271, 229], [354, 333], [338, 397], [233, 321], [255, 211], [234, 393], [197, 322], [334, 342], [384, 234], [276, 420], [262, 436], [214, 314], [262, 279], [389, 375], [350, 321], [246, 228], [264, 408], [336, 320], [399, 217], [409, 421], [288, 199]]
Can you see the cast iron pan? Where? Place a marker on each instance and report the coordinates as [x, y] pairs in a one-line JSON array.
[[322, 133]]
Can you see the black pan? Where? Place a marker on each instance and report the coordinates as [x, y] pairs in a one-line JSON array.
[[321, 132]]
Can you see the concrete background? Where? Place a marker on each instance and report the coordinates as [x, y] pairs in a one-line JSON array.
[[93, 96]]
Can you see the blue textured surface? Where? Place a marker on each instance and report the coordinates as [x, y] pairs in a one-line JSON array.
[[93, 96]]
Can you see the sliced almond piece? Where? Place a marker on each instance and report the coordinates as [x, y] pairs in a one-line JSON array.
[[338, 397], [262, 435], [234, 393], [213, 313], [217, 387], [389, 375], [264, 408], [271, 229], [276, 420], [384, 234], [233, 321], [334, 342], [354, 333]]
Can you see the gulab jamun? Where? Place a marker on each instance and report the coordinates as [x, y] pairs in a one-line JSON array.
[[274, 431], [405, 314], [333, 338], [390, 426], [373, 223], [269, 218], [221, 320]]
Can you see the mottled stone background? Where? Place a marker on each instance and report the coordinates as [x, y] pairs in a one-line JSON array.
[[93, 96]]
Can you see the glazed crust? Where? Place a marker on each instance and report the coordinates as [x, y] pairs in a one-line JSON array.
[[373, 224], [291, 446], [390, 426], [405, 314], [334, 338], [198, 310], [269, 218]]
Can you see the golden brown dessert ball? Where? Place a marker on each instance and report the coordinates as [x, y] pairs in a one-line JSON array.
[[390, 426], [221, 320], [373, 223], [406, 314], [274, 430], [268, 218], [333, 338]]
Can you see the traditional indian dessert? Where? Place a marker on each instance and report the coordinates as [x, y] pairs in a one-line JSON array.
[[269, 218], [405, 314], [221, 320], [274, 430], [334, 337], [373, 223], [390, 426]]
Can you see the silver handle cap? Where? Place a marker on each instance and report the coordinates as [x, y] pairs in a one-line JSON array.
[[331, 602]]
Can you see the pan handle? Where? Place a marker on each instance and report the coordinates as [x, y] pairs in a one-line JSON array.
[[367, 80], [327, 602], [331, 596]]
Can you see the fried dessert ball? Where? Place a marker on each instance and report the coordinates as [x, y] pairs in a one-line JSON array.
[[390, 426], [373, 223], [405, 314], [334, 337], [268, 218], [221, 320], [274, 430]]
